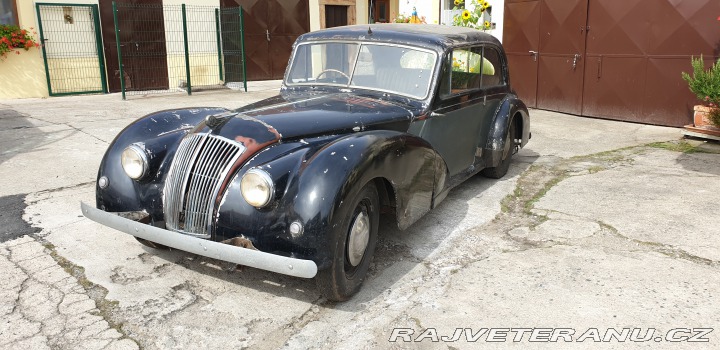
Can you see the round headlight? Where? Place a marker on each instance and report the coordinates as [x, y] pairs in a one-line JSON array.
[[134, 162], [257, 187]]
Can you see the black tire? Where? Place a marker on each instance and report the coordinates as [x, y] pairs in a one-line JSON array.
[[153, 245], [501, 169], [347, 272]]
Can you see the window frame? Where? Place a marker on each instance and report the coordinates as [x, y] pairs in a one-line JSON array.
[[13, 6], [434, 74], [447, 71]]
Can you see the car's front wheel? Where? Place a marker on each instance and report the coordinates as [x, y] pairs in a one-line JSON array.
[[354, 248]]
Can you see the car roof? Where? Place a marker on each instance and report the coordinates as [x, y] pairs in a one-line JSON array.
[[426, 35]]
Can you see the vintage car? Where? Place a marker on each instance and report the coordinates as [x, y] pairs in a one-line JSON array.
[[370, 120]]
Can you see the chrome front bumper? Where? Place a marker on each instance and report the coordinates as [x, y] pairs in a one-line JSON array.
[[211, 249]]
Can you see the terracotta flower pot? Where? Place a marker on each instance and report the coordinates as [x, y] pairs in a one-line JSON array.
[[702, 117], [702, 126]]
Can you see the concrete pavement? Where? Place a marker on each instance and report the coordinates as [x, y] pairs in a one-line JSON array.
[[598, 225]]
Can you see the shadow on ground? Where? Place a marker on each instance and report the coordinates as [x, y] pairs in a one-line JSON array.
[[412, 246]]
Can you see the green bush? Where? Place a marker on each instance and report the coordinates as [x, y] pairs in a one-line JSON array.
[[705, 84]]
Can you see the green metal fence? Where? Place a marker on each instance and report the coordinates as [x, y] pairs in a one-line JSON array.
[[72, 50], [170, 48]]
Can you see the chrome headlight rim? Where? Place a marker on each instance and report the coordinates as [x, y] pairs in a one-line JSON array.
[[269, 183], [141, 156]]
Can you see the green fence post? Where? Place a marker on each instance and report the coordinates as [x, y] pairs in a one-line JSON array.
[[98, 47], [242, 47], [219, 47], [117, 42], [42, 44], [187, 51]]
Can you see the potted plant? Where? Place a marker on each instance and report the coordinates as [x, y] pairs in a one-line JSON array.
[[13, 38], [705, 84]]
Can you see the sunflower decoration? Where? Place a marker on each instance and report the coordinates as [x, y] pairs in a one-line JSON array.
[[473, 16], [484, 5]]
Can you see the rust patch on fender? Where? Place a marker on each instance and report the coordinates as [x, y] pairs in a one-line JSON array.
[[252, 146]]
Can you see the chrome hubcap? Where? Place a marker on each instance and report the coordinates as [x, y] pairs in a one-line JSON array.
[[359, 237]]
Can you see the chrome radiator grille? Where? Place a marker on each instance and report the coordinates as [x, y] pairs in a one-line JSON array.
[[201, 163]]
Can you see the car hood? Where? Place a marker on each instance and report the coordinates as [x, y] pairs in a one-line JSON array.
[[291, 118]]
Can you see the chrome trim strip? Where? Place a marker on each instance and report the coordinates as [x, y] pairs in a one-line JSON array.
[[215, 250]]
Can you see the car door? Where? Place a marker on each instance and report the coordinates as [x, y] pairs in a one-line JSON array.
[[461, 114]]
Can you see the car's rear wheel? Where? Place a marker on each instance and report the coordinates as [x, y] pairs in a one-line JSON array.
[[354, 248], [501, 169]]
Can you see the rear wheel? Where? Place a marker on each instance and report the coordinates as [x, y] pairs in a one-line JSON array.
[[501, 169], [354, 249]]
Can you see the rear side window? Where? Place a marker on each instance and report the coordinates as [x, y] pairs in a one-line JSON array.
[[492, 74], [471, 69]]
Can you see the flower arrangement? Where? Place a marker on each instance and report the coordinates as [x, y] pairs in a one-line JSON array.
[[705, 84], [13, 38], [471, 18], [413, 18]]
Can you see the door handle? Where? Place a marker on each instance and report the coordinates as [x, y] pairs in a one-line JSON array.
[[534, 54], [575, 60], [267, 34]]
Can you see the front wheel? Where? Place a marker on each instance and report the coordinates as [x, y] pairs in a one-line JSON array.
[[354, 248]]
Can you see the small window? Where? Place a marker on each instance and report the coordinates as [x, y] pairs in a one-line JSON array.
[[8, 12], [492, 74]]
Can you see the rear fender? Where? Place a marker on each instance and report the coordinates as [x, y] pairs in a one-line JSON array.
[[510, 109]]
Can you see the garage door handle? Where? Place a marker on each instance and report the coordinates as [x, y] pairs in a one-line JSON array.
[[267, 34], [575, 60], [534, 54]]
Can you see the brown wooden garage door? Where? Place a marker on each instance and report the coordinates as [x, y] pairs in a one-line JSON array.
[[629, 55], [271, 27]]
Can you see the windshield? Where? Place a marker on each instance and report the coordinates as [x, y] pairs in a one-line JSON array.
[[402, 70]]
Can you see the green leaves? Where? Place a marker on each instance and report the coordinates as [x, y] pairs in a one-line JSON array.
[[705, 84]]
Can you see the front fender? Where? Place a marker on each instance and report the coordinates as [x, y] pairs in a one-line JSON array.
[[313, 181], [159, 135]]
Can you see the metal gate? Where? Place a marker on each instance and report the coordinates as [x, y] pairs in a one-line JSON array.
[[562, 47], [271, 27], [72, 52], [158, 48], [230, 26], [610, 59]]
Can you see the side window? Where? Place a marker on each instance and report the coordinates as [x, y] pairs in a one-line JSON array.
[[492, 74], [465, 73], [472, 68]]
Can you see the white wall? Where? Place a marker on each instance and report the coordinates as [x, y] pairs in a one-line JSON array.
[[498, 14], [427, 8]]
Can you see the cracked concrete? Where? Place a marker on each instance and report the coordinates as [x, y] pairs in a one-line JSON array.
[[598, 224], [44, 307]]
